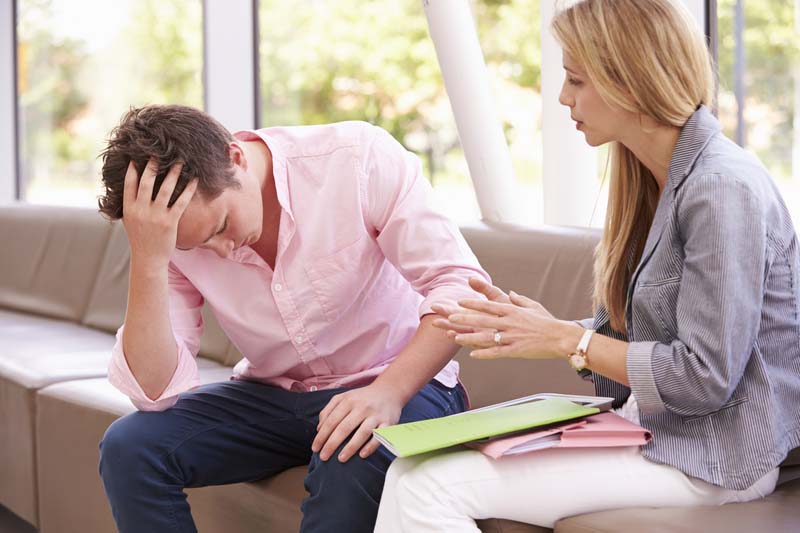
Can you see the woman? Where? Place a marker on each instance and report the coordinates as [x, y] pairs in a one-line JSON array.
[[697, 301]]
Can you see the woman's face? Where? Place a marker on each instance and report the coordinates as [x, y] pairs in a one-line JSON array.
[[599, 122]]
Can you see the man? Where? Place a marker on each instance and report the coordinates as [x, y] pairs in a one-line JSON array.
[[319, 255]]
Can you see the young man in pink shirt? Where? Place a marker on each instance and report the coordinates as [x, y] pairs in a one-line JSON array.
[[318, 252]]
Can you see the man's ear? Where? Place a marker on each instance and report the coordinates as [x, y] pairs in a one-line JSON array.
[[236, 153]]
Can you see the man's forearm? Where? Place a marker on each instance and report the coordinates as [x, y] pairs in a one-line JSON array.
[[148, 341], [422, 358]]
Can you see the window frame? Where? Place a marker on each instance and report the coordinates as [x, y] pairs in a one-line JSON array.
[[231, 46]]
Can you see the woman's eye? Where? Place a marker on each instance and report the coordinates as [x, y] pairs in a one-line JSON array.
[[573, 81]]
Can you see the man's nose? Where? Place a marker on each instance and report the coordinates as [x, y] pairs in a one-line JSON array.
[[224, 248]]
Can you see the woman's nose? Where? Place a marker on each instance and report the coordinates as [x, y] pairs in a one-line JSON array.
[[563, 98]]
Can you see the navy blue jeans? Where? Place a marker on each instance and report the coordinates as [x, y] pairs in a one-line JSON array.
[[243, 431]]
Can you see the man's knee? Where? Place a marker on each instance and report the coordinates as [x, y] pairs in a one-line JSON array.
[[340, 478], [124, 445]]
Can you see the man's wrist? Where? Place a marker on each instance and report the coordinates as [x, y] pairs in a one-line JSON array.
[[148, 266]]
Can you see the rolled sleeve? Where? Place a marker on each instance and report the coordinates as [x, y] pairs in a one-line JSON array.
[[424, 246], [120, 376], [641, 378]]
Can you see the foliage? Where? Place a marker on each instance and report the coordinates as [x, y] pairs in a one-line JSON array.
[[377, 63], [772, 49]]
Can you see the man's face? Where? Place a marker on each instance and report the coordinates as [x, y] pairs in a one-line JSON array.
[[226, 223]]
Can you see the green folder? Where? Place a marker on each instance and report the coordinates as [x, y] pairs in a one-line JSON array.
[[427, 435]]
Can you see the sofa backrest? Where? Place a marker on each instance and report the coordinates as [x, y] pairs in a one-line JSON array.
[[552, 265], [72, 264], [50, 259]]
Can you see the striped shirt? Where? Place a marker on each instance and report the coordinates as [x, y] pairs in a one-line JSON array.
[[713, 317]]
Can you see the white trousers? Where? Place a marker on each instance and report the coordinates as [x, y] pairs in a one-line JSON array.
[[449, 491]]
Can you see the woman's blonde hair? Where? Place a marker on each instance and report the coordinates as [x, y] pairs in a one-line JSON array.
[[646, 57]]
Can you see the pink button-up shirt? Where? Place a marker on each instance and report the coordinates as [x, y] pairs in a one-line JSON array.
[[361, 257]]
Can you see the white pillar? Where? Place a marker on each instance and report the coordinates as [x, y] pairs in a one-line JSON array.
[[229, 66], [8, 104], [466, 79], [698, 10], [570, 168]]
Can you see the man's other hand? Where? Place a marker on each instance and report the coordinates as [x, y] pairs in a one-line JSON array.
[[355, 412]]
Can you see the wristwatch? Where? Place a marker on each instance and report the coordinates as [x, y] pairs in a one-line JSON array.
[[579, 359]]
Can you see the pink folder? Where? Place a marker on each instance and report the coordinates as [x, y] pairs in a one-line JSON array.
[[595, 431]]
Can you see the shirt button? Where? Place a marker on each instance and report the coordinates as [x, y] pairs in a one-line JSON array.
[[298, 339], [278, 287], [313, 388]]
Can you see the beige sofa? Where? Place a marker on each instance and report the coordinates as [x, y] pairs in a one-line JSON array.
[[63, 283]]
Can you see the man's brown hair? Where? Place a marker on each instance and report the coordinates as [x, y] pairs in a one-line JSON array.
[[169, 134]]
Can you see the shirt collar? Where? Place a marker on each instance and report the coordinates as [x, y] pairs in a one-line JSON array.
[[279, 172], [695, 135]]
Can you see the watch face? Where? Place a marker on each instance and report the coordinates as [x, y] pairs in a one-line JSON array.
[[578, 362]]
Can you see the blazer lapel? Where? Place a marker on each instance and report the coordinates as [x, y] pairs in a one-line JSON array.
[[695, 135]]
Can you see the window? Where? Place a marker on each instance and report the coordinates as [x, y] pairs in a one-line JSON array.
[[759, 92], [81, 65], [323, 61]]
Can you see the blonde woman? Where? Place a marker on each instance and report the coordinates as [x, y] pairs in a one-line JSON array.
[[697, 301]]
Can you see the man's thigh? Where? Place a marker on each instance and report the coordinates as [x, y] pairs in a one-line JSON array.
[[221, 433]]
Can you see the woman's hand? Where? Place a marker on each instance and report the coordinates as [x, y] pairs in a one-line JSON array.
[[522, 328], [492, 293]]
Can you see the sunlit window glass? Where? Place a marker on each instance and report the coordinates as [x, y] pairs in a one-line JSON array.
[[81, 65], [324, 61], [759, 94]]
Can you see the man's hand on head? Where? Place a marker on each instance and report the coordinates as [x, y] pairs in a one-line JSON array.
[[151, 224]]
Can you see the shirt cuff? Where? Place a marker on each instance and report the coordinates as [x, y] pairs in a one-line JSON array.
[[641, 378], [121, 377]]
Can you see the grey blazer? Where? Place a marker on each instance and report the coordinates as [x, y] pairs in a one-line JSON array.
[[713, 317]]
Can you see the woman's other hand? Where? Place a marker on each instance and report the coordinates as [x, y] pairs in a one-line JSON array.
[[522, 328]]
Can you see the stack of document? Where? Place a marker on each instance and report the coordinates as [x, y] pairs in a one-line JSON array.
[[596, 431], [504, 419]]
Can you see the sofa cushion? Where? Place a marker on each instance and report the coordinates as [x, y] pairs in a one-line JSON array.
[[776, 513], [36, 352], [71, 419], [51, 256]]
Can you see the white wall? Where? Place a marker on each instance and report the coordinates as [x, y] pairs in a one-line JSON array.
[[8, 141]]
